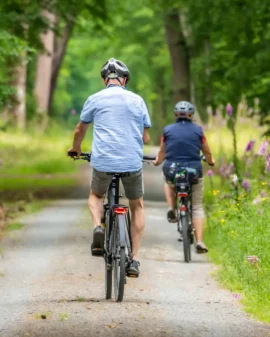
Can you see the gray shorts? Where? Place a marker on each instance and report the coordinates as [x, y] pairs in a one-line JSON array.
[[133, 185]]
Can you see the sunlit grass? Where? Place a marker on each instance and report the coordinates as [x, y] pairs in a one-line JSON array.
[[36, 153], [221, 143]]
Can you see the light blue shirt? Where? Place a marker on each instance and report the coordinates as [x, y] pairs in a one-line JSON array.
[[119, 118]]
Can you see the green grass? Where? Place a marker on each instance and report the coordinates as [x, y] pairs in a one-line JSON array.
[[237, 229], [14, 226], [32, 183], [36, 153], [15, 210]]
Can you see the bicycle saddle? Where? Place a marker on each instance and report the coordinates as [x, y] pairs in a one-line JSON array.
[[119, 175]]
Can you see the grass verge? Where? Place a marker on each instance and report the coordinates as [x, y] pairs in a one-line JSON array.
[[11, 212], [238, 236]]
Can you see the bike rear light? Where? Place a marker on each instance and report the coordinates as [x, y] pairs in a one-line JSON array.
[[120, 210], [183, 208], [182, 194]]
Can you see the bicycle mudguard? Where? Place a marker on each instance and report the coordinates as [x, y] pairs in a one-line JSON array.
[[121, 219]]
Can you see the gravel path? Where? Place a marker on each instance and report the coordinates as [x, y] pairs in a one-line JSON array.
[[46, 269]]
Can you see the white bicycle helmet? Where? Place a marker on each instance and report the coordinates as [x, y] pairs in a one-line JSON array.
[[114, 69], [184, 109]]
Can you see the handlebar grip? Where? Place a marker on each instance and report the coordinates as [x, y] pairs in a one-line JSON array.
[[72, 154], [149, 158]]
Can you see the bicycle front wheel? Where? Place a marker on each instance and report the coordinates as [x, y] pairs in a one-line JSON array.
[[186, 238], [120, 258]]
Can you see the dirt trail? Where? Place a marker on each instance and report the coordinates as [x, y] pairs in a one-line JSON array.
[[47, 269]]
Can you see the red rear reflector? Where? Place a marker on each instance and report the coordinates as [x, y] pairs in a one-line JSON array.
[[182, 194], [183, 208], [120, 210]]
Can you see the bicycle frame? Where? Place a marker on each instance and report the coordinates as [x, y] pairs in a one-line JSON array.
[[113, 207]]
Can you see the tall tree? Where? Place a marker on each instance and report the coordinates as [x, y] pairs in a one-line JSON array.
[[180, 58], [44, 67]]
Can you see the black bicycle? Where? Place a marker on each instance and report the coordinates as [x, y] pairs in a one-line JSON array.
[[117, 249], [184, 179]]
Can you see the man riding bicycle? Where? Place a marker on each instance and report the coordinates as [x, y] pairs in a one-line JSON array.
[[121, 123], [181, 145]]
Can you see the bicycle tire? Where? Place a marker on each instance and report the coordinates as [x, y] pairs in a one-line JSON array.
[[108, 263], [108, 282], [186, 239], [120, 258]]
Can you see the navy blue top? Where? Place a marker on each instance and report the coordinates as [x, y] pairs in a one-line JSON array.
[[183, 143]]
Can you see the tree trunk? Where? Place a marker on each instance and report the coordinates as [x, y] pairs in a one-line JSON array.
[[19, 83], [44, 70], [208, 71], [60, 49], [179, 57]]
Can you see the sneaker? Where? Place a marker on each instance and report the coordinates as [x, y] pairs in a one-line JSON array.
[[171, 216], [132, 269], [201, 248], [97, 246]]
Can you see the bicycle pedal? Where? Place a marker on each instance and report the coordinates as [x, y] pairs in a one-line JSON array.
[[97, 252], [132, 275]]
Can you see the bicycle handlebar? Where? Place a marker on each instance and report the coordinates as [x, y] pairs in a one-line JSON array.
[[87, 156]]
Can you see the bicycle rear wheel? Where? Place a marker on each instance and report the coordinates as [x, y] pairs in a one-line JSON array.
[[186, 238], [120, 258], [108, 259], [108, 281]]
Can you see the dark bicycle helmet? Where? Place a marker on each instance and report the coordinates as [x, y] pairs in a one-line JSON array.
[[114, 68], [184, 109]]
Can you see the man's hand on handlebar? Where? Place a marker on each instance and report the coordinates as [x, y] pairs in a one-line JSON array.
[[155, 162], [78, 150]]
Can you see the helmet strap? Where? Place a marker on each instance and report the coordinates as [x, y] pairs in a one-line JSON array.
[[116, 78]]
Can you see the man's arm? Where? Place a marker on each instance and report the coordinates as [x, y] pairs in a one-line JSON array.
[[79, 134], [146, 136], [161, 154]]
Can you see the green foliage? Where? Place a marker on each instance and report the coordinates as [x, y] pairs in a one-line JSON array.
[[136, 36]]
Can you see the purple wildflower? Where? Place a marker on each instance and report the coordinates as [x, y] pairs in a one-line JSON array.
[[229, 109], [253, 259], [263, 194], [236, 296], [267, 162], [210, 173], [250, 145], [246, 185], [230, 170], [263, 148], [222, 170]]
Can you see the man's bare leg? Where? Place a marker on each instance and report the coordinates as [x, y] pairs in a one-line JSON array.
[[137, 224], [95, 204]]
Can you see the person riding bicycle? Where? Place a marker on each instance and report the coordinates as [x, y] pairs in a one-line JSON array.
[[181, 144], [121, 121]]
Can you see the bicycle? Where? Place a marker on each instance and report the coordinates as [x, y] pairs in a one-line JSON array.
[[184, 179], [117, 249]]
